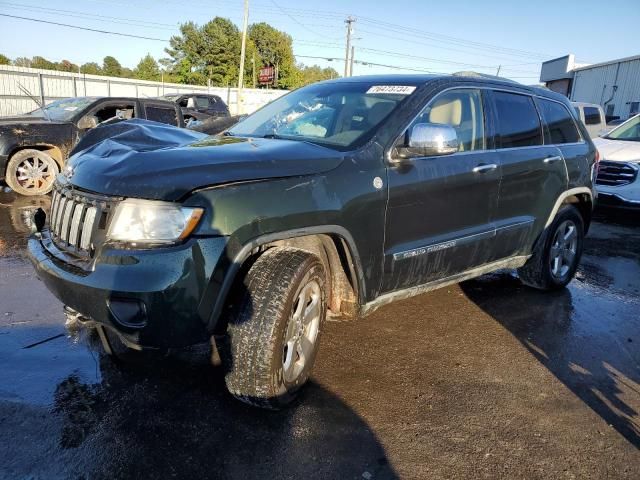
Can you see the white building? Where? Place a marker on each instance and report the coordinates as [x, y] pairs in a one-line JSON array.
[[615, 85]]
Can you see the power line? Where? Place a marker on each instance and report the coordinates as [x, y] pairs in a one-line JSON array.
[[296, 20], [85, 28], [101, 18]]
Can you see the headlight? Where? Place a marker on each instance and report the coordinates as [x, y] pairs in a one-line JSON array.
[[142, 221]]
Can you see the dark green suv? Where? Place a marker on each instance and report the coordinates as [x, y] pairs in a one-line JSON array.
[[335, 199]]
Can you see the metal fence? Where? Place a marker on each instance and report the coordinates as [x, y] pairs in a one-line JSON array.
[[50, 85]]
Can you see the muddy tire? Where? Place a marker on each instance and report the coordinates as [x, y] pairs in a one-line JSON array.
[[274, 328], [557, 253], [31, 172]]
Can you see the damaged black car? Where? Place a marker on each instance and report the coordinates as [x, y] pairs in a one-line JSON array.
[[35, 146], [335, 199]]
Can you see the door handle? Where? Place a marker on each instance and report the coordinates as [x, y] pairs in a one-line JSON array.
[[484, 167], [552, 159]]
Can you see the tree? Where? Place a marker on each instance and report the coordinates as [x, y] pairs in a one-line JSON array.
[[91, 68], [211, 52], [66, 66], [147, 69], [22, 62], [43, 63], [274, 47], [4, 60], [315, 74], [111, 67]]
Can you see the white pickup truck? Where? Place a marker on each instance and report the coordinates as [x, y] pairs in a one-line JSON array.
[[592, 116]]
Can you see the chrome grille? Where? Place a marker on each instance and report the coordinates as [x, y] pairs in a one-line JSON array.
[[72, 221], [616, 173]]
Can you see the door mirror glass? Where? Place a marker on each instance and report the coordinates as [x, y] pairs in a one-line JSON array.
[[430, 139], [88, 122]]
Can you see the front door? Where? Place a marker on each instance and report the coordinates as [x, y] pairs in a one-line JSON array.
[[439, 218]]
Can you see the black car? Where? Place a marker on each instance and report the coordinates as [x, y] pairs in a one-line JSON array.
[[339, 197], [34, 147], [199, 106]]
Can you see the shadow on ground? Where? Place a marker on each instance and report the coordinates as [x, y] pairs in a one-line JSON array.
[[586, 335], [164, 418]]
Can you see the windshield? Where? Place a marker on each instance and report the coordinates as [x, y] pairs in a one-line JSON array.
[[63, 109], [629, 131], [338, 115]]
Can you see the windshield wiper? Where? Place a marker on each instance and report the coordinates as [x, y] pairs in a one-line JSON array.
[[227, 134], [272, 135]]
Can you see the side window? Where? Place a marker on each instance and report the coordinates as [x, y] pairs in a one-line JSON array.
[[202, 102], [560, 126], [161, 114], [462, 110], [518, 121], [591, 116]]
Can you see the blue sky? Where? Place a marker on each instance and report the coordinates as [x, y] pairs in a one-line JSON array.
[[409, 35]]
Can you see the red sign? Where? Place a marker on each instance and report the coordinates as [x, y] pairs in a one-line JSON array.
[[266, 75]]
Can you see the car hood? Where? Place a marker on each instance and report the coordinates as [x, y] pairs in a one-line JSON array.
[[144, 159], [618, 150], [25, 120]]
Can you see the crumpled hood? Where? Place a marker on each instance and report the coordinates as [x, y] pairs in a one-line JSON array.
[[618, 150], [144, 159]]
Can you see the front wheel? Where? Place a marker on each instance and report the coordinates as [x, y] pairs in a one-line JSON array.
[[556, 256], [274, 328], [31, 172]]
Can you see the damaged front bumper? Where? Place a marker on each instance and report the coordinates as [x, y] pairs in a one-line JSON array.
[[152, 298]]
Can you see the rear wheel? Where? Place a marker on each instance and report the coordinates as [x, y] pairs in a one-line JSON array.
[[274, 329], [556, 256], [31, 172]]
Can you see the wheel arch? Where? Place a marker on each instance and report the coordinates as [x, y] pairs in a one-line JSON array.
[[581, 198], [52, 150], [335, 247]]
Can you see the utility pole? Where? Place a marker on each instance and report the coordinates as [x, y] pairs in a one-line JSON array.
[[253, 71], [351, 61], [349, 21], [243, 48]]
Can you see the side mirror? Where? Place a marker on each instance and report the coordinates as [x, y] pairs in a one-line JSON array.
[[428, 140], [85, 123]]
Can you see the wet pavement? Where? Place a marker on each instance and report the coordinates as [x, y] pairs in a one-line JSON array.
[[487, 379]]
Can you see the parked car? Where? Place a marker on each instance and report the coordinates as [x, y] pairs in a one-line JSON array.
[[339, 197], [199, 106], [592, 116], [35, 146], [618, 184]]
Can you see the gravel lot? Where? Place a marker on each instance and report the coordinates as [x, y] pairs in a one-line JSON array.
[[486, 379]]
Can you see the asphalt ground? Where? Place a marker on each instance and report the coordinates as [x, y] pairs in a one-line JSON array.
[[486, 379]]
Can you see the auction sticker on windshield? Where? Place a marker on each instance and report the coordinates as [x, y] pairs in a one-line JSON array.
[[398, 89]]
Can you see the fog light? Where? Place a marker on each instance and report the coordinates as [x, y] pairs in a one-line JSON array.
[[128, 312]]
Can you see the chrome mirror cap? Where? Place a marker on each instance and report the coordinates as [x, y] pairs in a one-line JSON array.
[[429, 139]]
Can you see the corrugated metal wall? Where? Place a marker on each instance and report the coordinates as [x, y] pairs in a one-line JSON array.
[[51, 85], [596, 85]]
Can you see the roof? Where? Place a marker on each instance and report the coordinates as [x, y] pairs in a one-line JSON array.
[[420, 79], [610, 62]]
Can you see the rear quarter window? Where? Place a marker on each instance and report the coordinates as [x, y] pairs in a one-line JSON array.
[[518, 121], [161, 114], [559, 125], [591, 116]]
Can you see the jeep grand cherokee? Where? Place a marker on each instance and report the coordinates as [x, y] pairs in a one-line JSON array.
[[337, 198]]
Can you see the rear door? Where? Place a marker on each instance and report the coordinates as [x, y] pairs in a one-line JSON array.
[[439, 210], [163, 113], [562, 132], [533, 174]]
